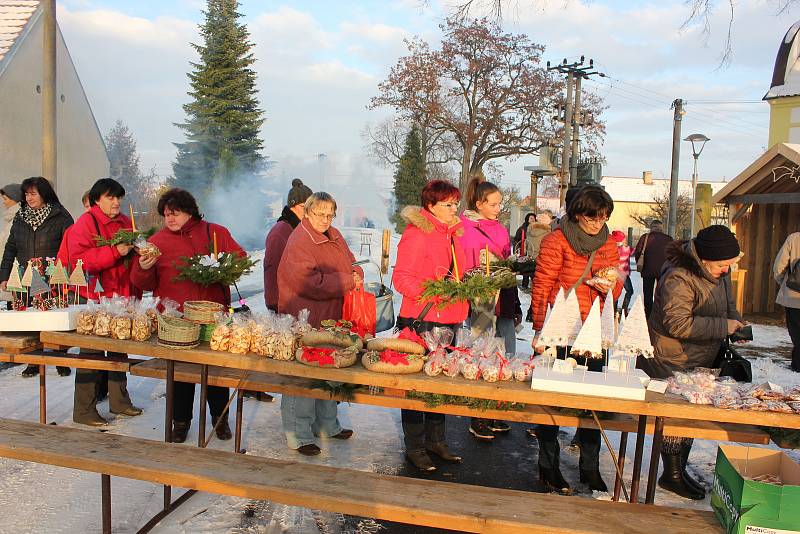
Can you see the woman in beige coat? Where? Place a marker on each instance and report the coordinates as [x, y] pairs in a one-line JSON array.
[[788, 260]]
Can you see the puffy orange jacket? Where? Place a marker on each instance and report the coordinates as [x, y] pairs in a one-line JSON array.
[[558, 265]]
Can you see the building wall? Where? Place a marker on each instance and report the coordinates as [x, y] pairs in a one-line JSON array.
[[81, 152], [784, 120]]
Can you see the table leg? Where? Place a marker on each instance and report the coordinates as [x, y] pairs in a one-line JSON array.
[[168, 421], [655, 458], [43, 394], [201, 433], [637, 458], [623, 444], [237, 440], [105, 489]]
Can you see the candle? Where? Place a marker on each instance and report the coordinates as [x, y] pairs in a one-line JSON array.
[[455, 263], [522, 244], [488, 261], [133, 220], [215, 245]]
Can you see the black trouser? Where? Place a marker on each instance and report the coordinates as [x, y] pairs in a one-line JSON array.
[[793, 325], [626, 300], [588, 438], [420, 428], [647, 291], [183, 401]]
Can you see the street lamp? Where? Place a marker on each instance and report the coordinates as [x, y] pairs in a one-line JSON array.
[[701, 140]]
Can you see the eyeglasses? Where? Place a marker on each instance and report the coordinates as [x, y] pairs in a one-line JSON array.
[[595, 220], [322, 216], [448, 205]]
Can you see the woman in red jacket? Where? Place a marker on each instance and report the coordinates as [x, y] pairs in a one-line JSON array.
[[425, 253], [186, 234], [108, 267], [582, 237]]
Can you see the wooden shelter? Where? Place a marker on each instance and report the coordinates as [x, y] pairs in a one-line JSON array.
[[764, 208]]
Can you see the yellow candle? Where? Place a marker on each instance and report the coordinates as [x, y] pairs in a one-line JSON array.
[[215, 245], [455, 263], [488, 261], [133, 220]]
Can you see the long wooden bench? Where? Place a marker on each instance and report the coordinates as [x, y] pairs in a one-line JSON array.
[[61, 359], [406, 500], [256, 381]]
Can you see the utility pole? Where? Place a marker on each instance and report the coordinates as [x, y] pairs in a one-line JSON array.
[[49, 98], [672, 220], [570, 147]]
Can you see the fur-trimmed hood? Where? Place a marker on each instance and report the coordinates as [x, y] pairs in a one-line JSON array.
[[682, 255], [427, 223]]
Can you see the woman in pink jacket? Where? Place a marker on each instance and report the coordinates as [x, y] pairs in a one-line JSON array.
[[425, 253], [483, 231]]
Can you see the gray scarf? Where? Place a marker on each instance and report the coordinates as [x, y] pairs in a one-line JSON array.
[[581, 242], [35, 218]]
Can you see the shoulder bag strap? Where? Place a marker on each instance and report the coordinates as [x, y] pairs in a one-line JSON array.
[[585, 271], [644, 247]]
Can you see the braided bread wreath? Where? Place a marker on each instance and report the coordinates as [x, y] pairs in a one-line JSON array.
[[394, 356], [321, 348]]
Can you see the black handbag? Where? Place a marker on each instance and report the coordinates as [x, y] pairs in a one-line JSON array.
[[793, 276], [731, 363]]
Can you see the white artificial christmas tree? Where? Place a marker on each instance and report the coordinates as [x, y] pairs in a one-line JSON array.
[[572, 317], [551, 332], [589, 340], [634, 337], [608, 323]]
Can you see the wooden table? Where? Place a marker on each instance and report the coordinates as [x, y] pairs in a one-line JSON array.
[[655, 405], [15, 343]]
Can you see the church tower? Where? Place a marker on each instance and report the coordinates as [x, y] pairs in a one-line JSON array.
[[784, 92]]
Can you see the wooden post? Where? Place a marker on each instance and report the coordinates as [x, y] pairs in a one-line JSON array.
[[385, 244], [49, 94]]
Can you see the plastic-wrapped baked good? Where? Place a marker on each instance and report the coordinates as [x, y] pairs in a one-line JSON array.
[[450, 365], [240, 339], [121, 327], [469, 368], [102, 323], [86, 319], [221, 337], [435, 363], [522, 370], [258, 340], [489, 369], [140, 327]]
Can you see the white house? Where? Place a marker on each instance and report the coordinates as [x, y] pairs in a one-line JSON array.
[[81, 152]]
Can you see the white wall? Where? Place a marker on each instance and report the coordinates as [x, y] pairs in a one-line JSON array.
[[81, 153]]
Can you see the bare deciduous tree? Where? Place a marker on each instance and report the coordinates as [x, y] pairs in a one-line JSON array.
[[660, 210]]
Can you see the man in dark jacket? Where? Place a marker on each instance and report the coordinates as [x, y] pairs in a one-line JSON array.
[[654, 247]]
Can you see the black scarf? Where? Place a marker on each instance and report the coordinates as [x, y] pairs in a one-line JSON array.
[[289, 216], [581, 242], [35, 218]]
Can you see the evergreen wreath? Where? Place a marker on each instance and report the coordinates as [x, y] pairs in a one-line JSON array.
[[228, 268]]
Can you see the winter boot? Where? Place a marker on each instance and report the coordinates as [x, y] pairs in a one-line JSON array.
[[421, 460], [592, 478], [549, 471], [31, 370], [589, 462], [180, 430], [686, 447], [435, 441], [480, 429], [223, 430], [63, 371], [672, 478], [499, 426]]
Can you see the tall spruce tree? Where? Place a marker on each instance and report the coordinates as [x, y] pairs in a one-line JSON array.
[[409, 178], [223, 119], [124, 164]]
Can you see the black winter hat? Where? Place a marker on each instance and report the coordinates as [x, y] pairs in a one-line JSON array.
[[298, 194], [716, 243]]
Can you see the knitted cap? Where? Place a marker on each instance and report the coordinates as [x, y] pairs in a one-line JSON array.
[[12, 191], [298, 194], [716, 243], [618, 236]]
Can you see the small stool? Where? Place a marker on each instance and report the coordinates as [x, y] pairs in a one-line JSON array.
[[366, 241]]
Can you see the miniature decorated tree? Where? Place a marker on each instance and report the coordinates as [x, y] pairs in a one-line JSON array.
[[551, 333], [634, 337], [572, 317], [78, 278], [588, 342], [608, 323]]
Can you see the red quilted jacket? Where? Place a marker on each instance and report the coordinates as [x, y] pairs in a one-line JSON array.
[[558, 265]]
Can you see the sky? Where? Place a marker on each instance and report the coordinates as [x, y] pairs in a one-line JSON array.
[[319, 63]]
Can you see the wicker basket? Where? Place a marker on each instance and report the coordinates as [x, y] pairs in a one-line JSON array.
[[201, 311], [177, 333]]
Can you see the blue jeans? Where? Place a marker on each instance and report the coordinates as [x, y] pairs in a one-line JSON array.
[[505, 329], [304, 418]]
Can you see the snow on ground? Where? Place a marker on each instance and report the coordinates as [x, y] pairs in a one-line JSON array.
[[36, 498]]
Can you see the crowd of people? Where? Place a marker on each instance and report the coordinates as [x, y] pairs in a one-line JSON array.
[[309, 266]]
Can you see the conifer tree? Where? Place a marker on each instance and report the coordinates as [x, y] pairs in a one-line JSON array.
[[124, 164], [409, 178], [223, 119]]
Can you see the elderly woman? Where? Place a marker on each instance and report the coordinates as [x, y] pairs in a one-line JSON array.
[[425, 253], [186, 234], [36, 232], [315, 273], [579, 247], [109, 267], [693, 312]]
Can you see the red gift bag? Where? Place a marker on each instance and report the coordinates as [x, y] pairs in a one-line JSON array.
[[359, 308]]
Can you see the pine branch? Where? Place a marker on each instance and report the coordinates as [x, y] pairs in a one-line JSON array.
[[123, 237], [228, 269]]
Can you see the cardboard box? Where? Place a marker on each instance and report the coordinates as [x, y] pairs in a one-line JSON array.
[[746, 506]]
